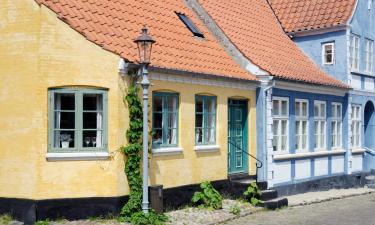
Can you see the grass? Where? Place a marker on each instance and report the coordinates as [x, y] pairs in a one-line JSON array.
[[5, 219]]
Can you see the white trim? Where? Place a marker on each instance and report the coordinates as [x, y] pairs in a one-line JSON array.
[[321, 120], [310, 88], [339, 123], [324, 61], [308, 154], [358, 150], [189, 79], [280, 118], [167, 151], [207, 148], [77, 156]]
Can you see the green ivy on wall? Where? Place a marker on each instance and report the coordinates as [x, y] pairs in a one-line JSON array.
[[133, 154]]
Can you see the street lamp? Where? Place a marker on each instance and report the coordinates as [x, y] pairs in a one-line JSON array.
[[144, 43]]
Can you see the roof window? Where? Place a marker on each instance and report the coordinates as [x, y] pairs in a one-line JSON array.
[[190, 25]]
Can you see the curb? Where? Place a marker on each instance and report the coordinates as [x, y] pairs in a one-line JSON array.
[[330, 199]]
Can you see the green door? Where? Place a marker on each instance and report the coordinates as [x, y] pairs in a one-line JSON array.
[[237, 137]]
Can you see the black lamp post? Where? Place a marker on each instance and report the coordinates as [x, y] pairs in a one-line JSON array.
[[144, 43]]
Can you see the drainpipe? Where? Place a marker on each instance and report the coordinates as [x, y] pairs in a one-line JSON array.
[[265, 82]]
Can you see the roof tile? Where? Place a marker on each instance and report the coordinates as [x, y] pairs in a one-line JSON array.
[[254, 29], [331, 13], [114, 24]]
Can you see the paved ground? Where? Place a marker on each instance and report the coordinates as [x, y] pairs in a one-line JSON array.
[[359, 210]]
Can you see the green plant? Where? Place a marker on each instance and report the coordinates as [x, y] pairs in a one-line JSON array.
[[252, 194], [131, 211], [151, 218], [132, 153], [235, 209], [208, 197], [5, 219], [42, 222]]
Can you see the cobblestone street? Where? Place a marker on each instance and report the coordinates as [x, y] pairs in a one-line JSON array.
[[359, 210]]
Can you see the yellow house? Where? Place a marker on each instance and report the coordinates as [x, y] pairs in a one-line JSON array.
[[63, 118]]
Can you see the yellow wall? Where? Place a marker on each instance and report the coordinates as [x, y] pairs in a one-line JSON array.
[[192, 167], [38, 51]]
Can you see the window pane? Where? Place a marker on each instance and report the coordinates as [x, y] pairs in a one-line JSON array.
[[199, 105], [92, 120], [276, 107], [284, 108], [158, 104], [323, 110], [172, 120], [92, 139], [93, 102], [64, 139], [64, 120], [158, 120], [157, 138], [211, 135], [284, 127], [199, 120], [275, 127], [211, 105], [304, 109], [297, 108], [211, 121], [198, 135], [64, 101], [316, 109], [172, 103], [333, 108], [172, 136], [338, 112]]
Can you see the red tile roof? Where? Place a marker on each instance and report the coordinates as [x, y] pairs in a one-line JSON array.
[[254, 29], [302, 15], [114, 24]]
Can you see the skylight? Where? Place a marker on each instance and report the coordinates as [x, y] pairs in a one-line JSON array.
[[190, 25]]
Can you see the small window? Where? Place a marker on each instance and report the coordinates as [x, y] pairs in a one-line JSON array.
[[354, 52], [190, 25], [328, 53], [301, 123], [320, 121], [369, 58], [280, 124], [77, 120], [356, 126], [165, 120], [336, 128], [205, 120]]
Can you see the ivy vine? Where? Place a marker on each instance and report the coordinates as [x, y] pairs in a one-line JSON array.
[[133, 154]]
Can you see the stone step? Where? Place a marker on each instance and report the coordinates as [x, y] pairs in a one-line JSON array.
[[268, 195], [372, 186], [275, 203], [370, 179]]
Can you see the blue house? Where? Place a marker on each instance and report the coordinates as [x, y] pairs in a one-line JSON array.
[[339, 36], [302, 112]]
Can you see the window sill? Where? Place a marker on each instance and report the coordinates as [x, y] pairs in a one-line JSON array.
[[167, 151], [308, 154], [207, 148], [77, 156], [358, 151]]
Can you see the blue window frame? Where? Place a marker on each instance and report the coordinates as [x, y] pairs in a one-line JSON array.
[[77, 120], [165, 119], [205, 120]]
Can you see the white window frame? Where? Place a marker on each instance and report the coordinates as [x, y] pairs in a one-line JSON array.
[[324, 53], [300, 119], [369, 55], [336, 128], [279, 118], [354, 52], [322, 120], [356, 122]]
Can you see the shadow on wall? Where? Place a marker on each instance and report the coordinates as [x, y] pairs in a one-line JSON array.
[[369, 131]]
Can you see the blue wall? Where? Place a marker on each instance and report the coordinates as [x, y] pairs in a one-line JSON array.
[[312, 46], [363, 24]]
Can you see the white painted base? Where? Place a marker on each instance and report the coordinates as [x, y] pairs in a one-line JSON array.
[[320, 167], [302, 169], [357, 162], [338, 164], [282, 172]]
